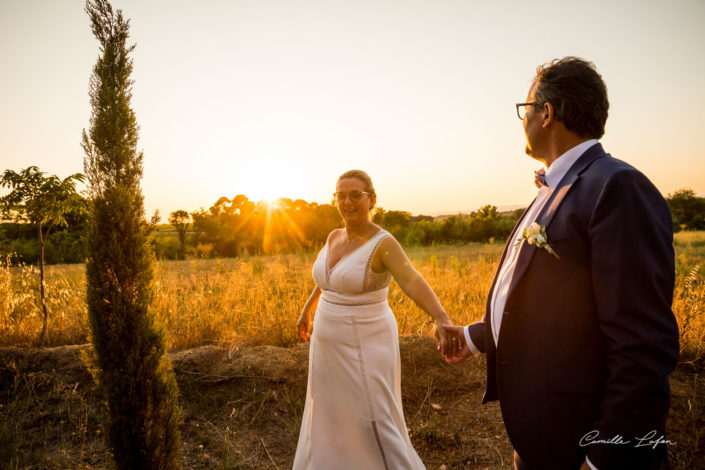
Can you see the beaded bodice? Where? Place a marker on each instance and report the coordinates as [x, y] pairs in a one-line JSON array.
[[352, 274]]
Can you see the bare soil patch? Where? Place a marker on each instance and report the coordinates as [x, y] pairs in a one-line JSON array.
[[242, 409]]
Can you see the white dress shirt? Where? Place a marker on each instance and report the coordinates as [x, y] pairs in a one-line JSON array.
[[498, 300], [554, 175]]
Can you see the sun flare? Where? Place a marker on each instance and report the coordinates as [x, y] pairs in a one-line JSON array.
[[272, 204], [268, 179]]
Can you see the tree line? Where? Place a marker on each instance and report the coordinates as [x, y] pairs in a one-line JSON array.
[[687, 210], [241, 227]]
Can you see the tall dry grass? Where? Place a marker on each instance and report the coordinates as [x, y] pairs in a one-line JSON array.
[[257, 300], [20, 307], [689, 295]]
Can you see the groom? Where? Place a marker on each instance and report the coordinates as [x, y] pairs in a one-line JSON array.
[[578, 330]]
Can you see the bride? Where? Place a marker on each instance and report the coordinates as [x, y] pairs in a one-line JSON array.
[[353, 417]]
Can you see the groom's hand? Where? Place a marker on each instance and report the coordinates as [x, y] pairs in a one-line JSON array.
[[460, 357], [456, 335], [448, 345]]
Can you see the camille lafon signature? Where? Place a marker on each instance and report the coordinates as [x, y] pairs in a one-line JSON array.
[[651, 439]]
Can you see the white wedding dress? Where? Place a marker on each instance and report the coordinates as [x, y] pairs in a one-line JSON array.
[[353, 418]]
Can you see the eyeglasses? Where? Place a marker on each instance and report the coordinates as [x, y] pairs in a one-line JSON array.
[[355, 196], [521, 108]]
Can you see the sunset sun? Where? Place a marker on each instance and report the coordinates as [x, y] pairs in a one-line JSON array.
[[320, 235], [268, 179]]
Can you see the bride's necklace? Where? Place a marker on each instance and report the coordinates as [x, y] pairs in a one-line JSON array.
[[351, 237]]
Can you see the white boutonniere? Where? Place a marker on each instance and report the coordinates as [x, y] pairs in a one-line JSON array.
[[536, 235]]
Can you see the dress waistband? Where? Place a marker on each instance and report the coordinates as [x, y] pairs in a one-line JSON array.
[[367, 298]]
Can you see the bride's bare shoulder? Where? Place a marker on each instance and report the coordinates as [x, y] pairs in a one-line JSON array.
[[389, 242], [335, 233]]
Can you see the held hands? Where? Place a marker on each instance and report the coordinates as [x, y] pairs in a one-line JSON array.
[[448, 344], [455, 334]]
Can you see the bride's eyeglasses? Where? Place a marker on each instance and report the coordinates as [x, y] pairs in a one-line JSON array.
[[355, 196]]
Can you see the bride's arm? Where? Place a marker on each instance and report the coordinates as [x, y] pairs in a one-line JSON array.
[[392, 256], [304, 324]]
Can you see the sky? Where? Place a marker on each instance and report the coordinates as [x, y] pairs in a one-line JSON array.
[[278, 98]]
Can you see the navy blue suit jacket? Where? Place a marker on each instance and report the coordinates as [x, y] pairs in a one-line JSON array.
[[587, 341]]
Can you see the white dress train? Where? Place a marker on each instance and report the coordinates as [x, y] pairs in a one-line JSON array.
[[353, 417]]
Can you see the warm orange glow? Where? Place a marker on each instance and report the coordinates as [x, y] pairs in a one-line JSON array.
[[257, 112], [268, 178], [272, 204], [293, 229], [280, 230], [267, 236]]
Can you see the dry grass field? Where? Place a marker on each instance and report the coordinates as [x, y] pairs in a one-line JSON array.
[[257, 300], [252, 301], [230, 324]]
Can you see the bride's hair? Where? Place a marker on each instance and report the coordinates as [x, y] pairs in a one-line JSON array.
[[365, 178]]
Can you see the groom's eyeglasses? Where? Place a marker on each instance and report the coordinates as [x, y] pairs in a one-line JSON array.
[[521, 108], [355, 196]]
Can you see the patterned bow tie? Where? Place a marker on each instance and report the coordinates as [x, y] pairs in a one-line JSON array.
[[540, 178]]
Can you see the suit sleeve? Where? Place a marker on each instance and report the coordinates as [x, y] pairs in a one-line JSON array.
[[472, 346], [633, 274], [476, 334]]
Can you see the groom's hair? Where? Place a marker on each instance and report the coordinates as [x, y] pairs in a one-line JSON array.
[[577, 93]]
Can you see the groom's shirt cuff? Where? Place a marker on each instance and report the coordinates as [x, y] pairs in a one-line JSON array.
[[471, 346]]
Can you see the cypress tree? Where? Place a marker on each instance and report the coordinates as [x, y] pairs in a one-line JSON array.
[[128, 359]]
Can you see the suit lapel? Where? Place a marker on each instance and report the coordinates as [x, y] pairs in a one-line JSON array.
[[510, 243], [549, 209]]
